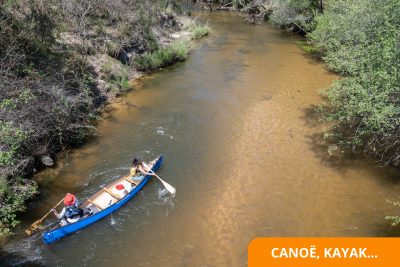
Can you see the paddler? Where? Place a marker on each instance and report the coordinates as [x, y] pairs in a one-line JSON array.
[[71, 212], [138, 169]]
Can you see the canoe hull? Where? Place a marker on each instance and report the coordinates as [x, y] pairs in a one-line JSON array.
[[53, 235]]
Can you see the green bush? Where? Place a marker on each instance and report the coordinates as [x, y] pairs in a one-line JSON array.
[[299, 14], [11, 139], [13, 195], [363, 107], [163, 57], [354, 42]]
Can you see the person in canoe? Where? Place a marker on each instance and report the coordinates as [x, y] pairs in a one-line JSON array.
[[71, 212], [138, 170]]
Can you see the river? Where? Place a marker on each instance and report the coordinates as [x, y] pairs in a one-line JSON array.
[[242, 145]]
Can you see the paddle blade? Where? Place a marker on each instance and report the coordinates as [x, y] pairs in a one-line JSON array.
[[169, 187], [28, 232], [33, 228]]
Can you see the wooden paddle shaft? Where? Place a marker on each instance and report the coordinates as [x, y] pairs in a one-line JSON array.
[[47, 214]]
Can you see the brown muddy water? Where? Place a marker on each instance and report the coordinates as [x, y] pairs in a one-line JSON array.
[[237, 126]]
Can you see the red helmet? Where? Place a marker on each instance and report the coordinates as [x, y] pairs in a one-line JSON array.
[[69, 200]]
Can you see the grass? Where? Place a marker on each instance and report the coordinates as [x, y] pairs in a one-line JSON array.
[[307, 47], [164, 56], [196, 29], [122, 83], [199, 31], [107, 67], [116, 75]]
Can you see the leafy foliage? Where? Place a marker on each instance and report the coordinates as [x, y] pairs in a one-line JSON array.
[[287, 14], [295, 13], [11, 138], [13, 194], [363, 106]]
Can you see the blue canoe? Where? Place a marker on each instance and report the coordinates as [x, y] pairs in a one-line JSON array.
[[103, 203]]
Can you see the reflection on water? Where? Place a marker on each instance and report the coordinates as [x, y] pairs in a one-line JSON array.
[[242, 146]]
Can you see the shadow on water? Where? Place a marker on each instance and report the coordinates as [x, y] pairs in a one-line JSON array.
[[311, 116], [11, 259], [347, 160], [382, 230]]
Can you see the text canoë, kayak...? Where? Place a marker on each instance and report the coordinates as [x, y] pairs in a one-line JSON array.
[[312, 253]]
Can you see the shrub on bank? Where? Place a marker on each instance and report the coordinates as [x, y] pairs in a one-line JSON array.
[[295, 14], [164, 56], [13, 194], [363, 107], [11, 139]]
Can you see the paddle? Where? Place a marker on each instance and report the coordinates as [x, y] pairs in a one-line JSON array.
[[37, 224], [167, 186], [44, 228]]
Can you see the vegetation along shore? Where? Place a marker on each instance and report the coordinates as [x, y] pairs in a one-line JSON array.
[[60, 63]]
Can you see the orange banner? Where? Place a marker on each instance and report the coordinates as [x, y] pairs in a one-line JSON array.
[[326, 252]]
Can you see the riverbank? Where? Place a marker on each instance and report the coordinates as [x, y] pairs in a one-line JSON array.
[[60, 68]]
